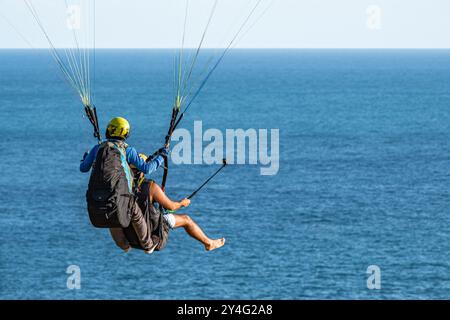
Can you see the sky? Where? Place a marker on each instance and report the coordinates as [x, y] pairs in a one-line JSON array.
[[275, 23]]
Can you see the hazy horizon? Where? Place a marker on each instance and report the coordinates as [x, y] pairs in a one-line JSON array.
[[277, 24]]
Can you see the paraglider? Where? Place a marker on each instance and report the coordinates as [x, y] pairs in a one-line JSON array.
[[113, 191]]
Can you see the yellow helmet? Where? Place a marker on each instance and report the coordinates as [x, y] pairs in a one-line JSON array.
[[118, 128], [139, 177]]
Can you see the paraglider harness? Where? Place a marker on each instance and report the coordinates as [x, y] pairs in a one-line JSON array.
[[110, 194], [153, 216]]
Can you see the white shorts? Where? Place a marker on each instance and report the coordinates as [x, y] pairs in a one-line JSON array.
[[170, 219]]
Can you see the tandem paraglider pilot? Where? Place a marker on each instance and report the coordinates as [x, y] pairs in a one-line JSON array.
[[110, 194]]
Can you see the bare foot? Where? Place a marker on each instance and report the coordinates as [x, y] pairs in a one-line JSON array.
[[215, 244]]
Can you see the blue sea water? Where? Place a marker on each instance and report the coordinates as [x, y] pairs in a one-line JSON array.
[[363, 179]]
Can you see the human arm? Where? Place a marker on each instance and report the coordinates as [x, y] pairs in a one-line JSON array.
[[89, 159], [174, 205], [143, 166], [156, 194]]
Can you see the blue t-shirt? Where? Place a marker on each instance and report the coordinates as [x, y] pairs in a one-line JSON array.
[[132, 159]]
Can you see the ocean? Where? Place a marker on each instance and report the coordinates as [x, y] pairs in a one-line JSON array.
[[363, 177]]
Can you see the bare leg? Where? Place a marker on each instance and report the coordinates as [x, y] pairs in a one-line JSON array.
[[181, 220], [192, 229]]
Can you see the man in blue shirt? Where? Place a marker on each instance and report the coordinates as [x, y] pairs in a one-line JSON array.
[[118, 129]]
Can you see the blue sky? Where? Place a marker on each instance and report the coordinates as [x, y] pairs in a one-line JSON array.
[[286, 24]]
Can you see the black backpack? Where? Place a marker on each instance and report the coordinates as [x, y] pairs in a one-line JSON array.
[[153, 216], [110, 191]]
